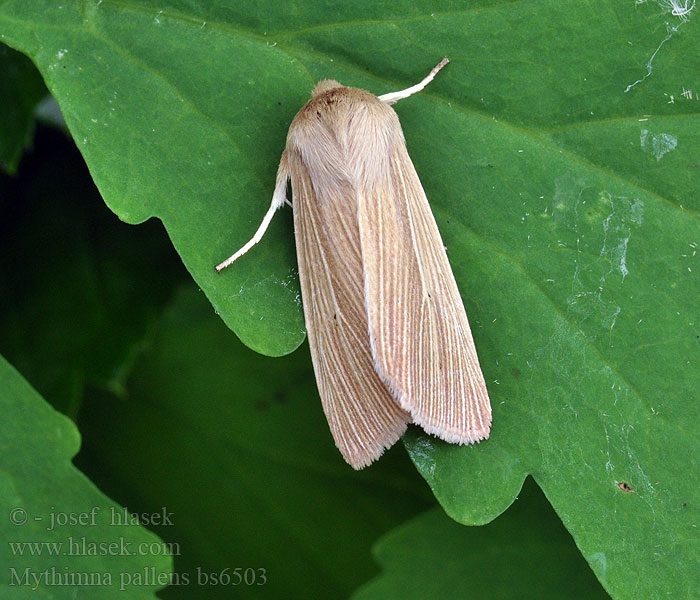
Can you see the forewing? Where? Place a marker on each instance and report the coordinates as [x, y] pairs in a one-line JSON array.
[[420, 335], [363, 415]]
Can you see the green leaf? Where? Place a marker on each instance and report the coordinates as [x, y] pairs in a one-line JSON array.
[[236, 445], [21, 88], [559, 151], [525, 553], [181, 112], [61, 535], [177, 118]]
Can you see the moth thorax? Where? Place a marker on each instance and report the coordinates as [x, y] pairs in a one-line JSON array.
[[325, 86]]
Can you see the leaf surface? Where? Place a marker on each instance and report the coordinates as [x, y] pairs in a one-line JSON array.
[[559, 151], [62, 537]]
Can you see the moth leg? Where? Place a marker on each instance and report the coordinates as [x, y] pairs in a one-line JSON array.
[[279, 198], [394, 97]]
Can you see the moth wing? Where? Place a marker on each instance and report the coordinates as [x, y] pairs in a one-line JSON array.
[[362, 413], [420, 335]]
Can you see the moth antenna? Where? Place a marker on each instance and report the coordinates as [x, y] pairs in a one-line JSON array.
[[279, 198], [393, 97], [255, 239]]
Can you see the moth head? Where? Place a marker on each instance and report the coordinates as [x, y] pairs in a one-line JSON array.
[[325, 86]]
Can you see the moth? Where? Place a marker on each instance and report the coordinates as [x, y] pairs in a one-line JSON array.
[[389, 336]]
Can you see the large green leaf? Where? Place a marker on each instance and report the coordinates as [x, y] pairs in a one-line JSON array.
[[237, 447], [61, 537], [559, 150], [181, 111], [524, 554], [164, 134]]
